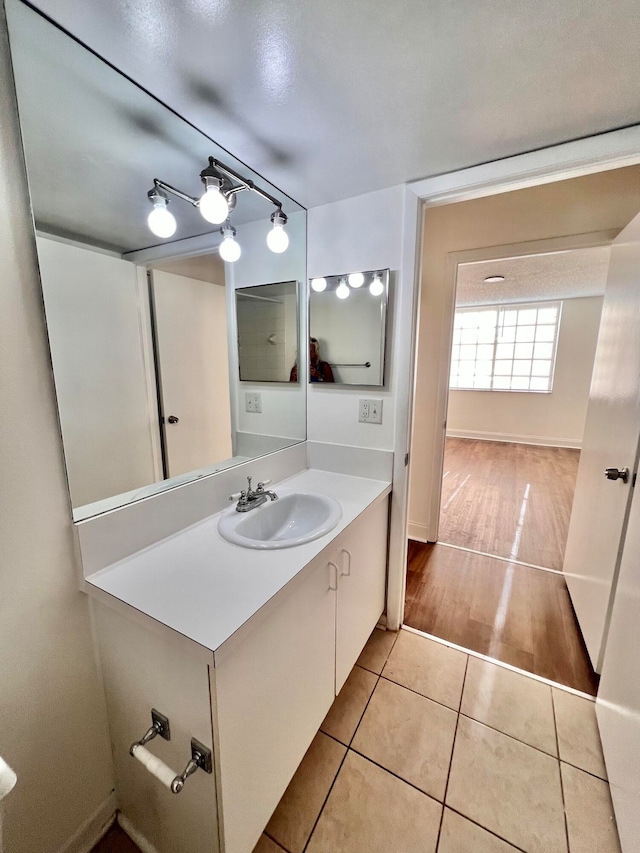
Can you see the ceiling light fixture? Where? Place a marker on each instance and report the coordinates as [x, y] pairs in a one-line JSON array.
[[161, 221], [493, 279], [277, 238], [229, 249], [342, 291], [318, 284], [221, 186], [376, 287], [356, 279]]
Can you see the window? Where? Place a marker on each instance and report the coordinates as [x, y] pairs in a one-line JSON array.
[[505, 347]]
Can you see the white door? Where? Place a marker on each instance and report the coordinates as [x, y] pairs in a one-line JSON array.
[[612, 431], [618, 704], [193, 367]]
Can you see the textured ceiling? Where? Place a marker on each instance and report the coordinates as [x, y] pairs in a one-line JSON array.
[[535, 278], [331, 99]]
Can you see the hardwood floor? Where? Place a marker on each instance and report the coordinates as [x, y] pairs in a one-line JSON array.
[[511, 500], [516, 614]]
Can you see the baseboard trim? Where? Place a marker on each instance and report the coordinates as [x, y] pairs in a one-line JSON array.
[[93, 829], [137, 837], [418, 532], [513, 438]]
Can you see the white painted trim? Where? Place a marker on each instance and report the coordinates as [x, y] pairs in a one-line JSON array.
[[417, 532], [405, 312], [137, 837], [606, 151], [68, 241], [93, 829], [554, 684], [513, 438], [149, 368], [190, 247], [612, 150]]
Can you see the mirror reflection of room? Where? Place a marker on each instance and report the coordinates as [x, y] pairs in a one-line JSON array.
[[139, 285], [347, 321]]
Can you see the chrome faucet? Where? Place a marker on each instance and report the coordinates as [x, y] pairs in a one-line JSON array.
[[248, 499]]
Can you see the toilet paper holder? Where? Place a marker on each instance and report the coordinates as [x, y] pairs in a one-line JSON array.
[[200, 755]]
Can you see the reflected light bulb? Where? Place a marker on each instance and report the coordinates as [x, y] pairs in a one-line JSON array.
[[213, 205], [318, 284], [277, 239], [356, 279], [343, 291], [376, 287], [229, 249], [161, 221]]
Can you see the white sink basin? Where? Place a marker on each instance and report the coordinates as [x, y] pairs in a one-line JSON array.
[[294, 519]]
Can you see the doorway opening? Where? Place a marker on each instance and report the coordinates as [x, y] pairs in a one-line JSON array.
[[485, 560]]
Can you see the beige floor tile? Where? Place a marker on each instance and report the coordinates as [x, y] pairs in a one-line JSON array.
[[409, 735], [459, 835], [371, 811], [345, 713], [507, 787], [590, 820], [297, 811], [266, 845], [510, 702], [375, 653], [429, 668], [578, 735]]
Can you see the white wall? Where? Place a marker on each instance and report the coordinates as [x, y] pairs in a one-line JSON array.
[[97, 318], [555, 419], [53, 727], [283, 404], [357, 234]]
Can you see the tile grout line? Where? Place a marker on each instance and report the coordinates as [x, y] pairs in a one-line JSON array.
[[564, 803], [540, 678], [277, 843], [484, 828], [453, 746]]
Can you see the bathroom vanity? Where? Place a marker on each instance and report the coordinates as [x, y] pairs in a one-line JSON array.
[[243, 650]]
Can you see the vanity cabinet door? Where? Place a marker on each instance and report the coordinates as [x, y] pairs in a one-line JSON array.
[[362, 561], [274, 683], [143, 670]]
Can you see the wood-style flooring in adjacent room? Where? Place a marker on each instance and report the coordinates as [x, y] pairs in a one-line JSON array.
[[511, 500], [513, 613]]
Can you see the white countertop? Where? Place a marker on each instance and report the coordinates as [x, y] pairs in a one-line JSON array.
[[205, 588]]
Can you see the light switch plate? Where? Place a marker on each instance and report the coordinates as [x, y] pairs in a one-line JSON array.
[[370, 411], [253, 401]]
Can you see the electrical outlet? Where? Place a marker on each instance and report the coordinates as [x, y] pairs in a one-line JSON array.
[[370, 412], [253, 402]]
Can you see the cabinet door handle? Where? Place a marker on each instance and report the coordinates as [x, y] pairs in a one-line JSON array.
[[333, 576], [346, 573]]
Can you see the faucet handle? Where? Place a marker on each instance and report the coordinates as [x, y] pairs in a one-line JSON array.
[[236, 496], [262, 484]]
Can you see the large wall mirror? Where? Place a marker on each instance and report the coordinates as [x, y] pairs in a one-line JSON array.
[[347, 323], [143, 327]]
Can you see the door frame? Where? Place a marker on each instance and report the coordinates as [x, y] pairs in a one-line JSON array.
[[586, 156]]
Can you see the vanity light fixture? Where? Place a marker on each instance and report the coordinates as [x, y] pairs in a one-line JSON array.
[[161, 221], [229, 249], [356, 279], [318, 284], [342, 290], [222, 184], [277, 238], [493, 279], [376, 287]]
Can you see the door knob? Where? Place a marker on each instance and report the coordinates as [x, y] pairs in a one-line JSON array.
[[172, 419], [617, 474]]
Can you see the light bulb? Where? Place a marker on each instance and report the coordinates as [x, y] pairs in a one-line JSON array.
[[229, 249], [161, 221], [356, 279], [376, 287], [277, 239], [213, 205], [343, 291], [318, 284]]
